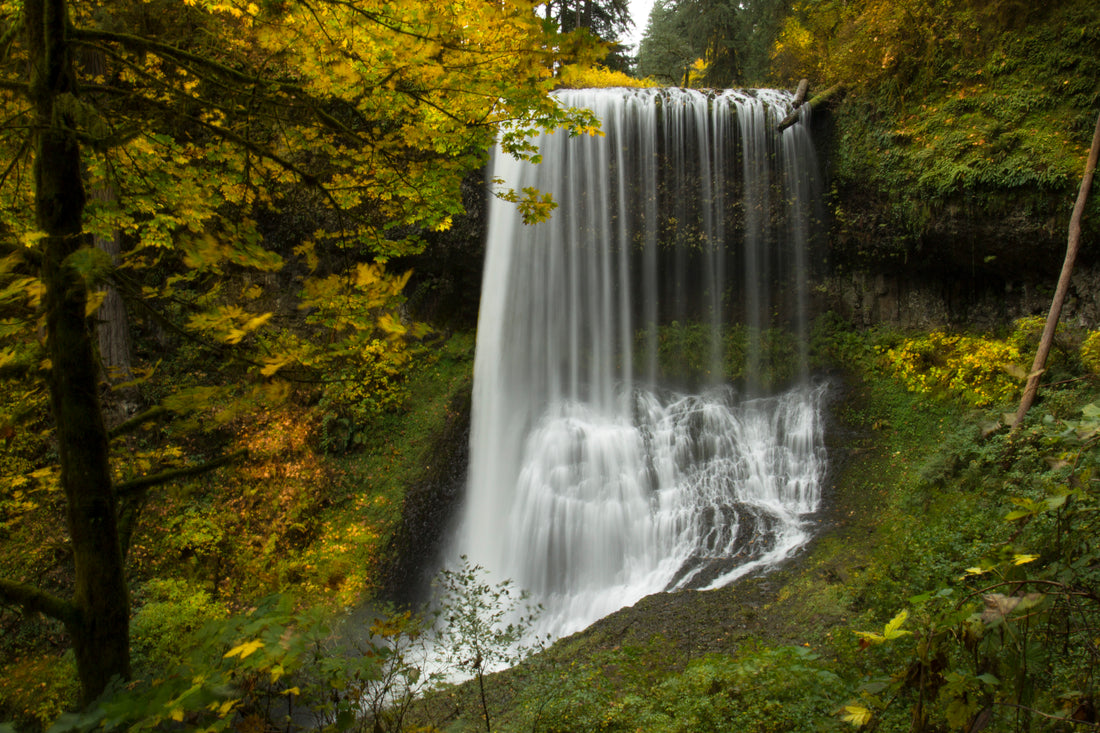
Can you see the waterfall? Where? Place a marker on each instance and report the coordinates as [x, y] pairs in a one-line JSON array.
[[611, 454]]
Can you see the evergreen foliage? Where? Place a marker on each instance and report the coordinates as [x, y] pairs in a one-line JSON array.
[[666, 52], [606, 20], [732, 39]]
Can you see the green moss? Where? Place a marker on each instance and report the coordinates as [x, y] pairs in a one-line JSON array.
[[689, 353], [1000, 130]]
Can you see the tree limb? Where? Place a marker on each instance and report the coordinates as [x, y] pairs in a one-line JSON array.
[[10, 33], [85, 35], [36, 600], [137, 421], [132, 296], [800, 93], [134, 486], [1047, 715], [815, 101]]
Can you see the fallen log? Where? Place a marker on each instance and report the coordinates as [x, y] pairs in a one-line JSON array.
[[815, 101], [800, 93]]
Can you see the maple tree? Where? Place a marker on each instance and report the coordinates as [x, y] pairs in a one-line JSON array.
[[192, 124]]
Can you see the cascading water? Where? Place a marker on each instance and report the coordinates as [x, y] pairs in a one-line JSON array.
[[599, 472]]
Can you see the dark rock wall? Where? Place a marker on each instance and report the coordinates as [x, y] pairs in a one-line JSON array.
[[429, 510], [922, 301]]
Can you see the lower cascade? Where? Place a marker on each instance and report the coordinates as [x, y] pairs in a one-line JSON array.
[[611, 454]]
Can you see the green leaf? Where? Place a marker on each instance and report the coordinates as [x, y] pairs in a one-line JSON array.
[[91, 263], [1056, 502]]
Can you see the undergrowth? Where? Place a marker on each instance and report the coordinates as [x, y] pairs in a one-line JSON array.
[[954, 587], [297, 514]]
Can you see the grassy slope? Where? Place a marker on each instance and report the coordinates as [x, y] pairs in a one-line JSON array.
[[637, 650]]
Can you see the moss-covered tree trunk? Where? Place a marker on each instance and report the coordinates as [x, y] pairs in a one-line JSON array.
[[99, 619]]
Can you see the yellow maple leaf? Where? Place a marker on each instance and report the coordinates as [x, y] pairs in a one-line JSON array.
[[244, 650], [893, 629], [857, 715]]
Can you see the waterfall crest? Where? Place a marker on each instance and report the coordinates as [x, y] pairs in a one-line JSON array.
[[599, 472]]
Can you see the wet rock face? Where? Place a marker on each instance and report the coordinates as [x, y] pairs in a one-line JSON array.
[[430, 505], [921, 300]]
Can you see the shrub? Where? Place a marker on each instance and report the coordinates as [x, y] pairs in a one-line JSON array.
[[168, 615], [1007, 642], [977, 370], [371, 385], [577, 76], [768, 690], [36, 689], [1090, 352]]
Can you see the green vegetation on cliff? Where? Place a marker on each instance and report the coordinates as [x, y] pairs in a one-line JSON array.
[[964, 123], [961, 129]]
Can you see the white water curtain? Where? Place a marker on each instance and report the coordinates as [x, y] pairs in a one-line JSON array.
[[591, 485]]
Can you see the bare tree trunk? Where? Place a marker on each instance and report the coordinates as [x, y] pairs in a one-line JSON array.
[[112, 331], [800, 93], [112, 324], [1055, 313]]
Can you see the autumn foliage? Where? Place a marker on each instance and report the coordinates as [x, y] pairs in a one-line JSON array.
[[239, 174]]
